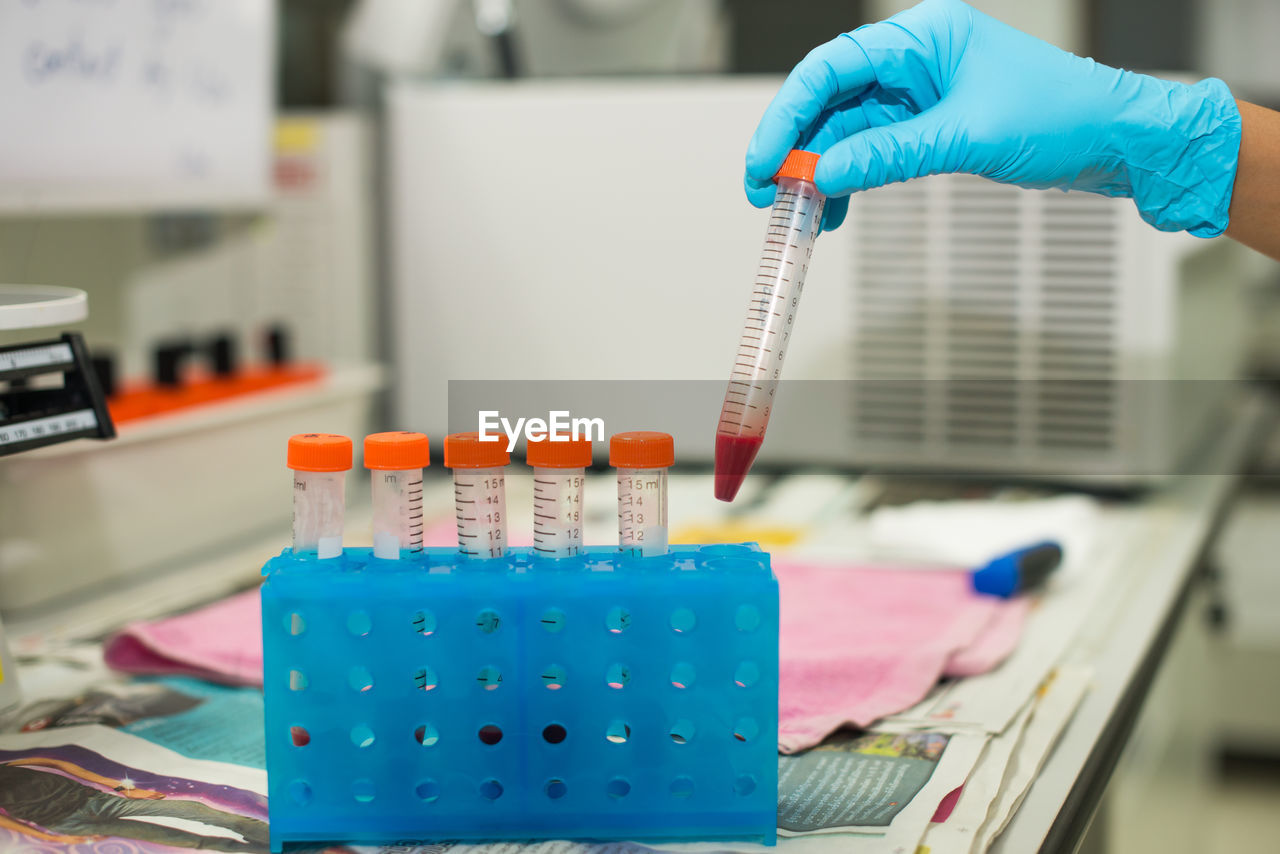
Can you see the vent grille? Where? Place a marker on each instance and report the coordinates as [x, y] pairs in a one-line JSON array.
[[985, 321]]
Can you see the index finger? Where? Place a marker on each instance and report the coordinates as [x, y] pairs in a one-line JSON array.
[[830, 71]]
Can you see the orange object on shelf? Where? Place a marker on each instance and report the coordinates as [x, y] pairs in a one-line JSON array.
[[144, 400]]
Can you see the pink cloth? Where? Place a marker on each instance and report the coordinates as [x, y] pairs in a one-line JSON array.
[[856, 644], [859, 644], [221, 643]]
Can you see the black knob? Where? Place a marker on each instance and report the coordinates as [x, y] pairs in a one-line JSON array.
[[168, 358], [278, 345], [222, 354]]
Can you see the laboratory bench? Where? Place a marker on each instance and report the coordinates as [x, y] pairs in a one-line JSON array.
[[1141, 729]]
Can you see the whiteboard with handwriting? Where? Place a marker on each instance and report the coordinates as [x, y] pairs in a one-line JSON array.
[[117, 105]]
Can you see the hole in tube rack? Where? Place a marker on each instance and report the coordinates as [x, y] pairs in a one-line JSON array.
[[555, 789], [683, 620], [428, 791], [360, 679], [488, 621], [489, 677], [426, 735], [617, 620], [490, 790], [424, 623], [619, 732], [618, 676], [746, 674], [552, 620], [424, 679], [490, 733], [554, 733], [294, 624], [359, 623], [618, 787], [746, 729], [299, 736], [683, 675], [682, 787], [362, 735], [362, 790], [682, 731], [747, 618], [300, 791], [744, 784], [297, 680], [553, 677]]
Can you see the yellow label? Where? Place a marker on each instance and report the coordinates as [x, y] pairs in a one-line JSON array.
[[737, 532], [296, 136]]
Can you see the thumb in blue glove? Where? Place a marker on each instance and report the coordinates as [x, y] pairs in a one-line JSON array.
[[942, 88]]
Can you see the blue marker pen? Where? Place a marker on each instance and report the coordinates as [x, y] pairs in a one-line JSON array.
[[1017, 571]]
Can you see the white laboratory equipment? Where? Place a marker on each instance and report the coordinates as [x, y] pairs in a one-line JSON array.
[[320, 462], [479, 493], [395, 462], [49, 394], [642, 459], [559, 475], [771, 315]]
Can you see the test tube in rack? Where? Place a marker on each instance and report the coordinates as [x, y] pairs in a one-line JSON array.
[[479, 493], [642, 459], [559, 473], [320, 462], [395, 462]]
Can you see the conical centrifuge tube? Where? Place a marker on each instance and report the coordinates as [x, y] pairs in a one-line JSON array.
[[320, 462], [642, 459], [395, 462], [479, 493], [559, 473], [766, 335]]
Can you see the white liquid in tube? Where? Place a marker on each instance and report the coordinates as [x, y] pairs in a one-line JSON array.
[[642, 511], [557, 511], [318, 510], [397, 513], [480, 501]]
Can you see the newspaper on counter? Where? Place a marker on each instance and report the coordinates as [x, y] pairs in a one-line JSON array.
[[1007, 767], [198, 719], [1050, 717]]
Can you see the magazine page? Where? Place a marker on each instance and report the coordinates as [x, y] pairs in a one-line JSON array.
[[94, 789], [198, 719]]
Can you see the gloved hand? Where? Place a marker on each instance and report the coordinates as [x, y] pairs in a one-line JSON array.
[[942, 87]]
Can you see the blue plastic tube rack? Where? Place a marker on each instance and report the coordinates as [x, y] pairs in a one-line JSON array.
[[597, 697]]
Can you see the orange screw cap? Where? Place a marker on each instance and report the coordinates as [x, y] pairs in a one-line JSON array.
[[799, 164], [319, 452], [466, 451], [396, 451], [643, 449], [573, 454]]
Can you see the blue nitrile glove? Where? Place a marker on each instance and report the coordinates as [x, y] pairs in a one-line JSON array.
[[942, 87]]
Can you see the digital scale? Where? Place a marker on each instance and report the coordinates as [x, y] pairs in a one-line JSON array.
[[49, 393]]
